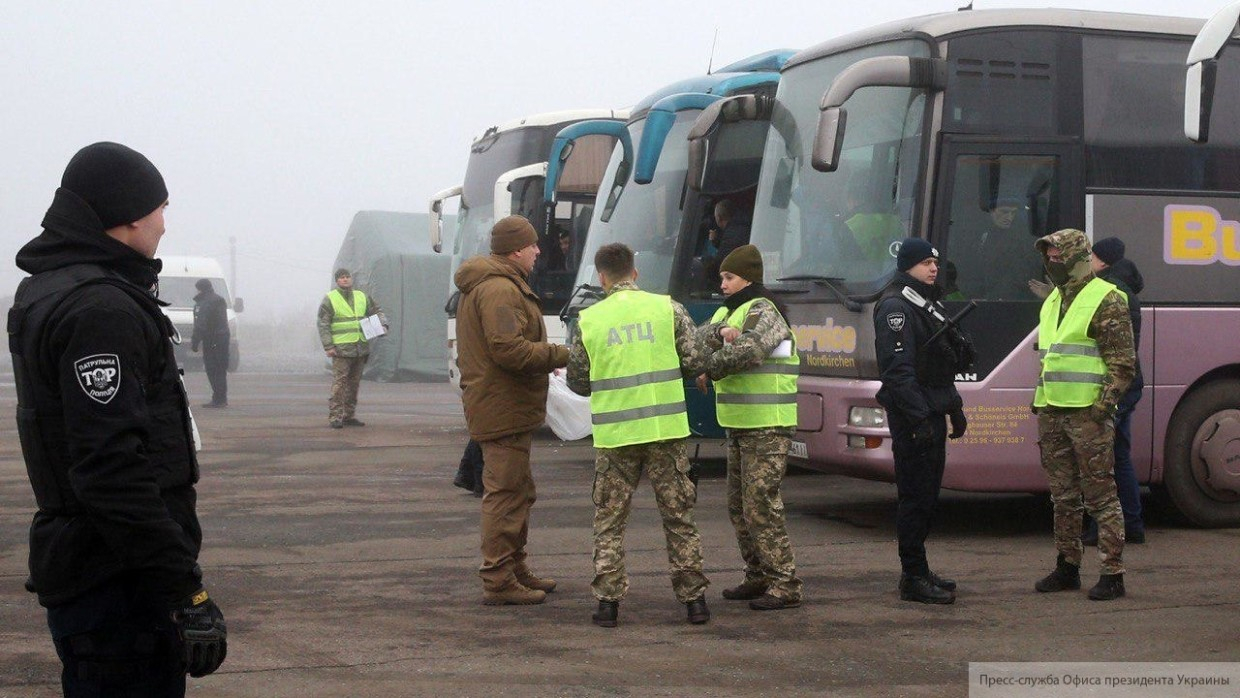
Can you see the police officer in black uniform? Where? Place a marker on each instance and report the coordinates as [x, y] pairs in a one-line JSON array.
[[918, 391], [107, 438]]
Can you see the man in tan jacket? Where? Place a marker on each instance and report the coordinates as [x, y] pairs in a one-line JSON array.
[[504, 359]]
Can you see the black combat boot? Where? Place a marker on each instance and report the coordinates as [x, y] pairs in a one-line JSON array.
[[923, 590], [698, 613], [1064, 577], [941, 582], [1108, 588], [464, 476], [607, 614]]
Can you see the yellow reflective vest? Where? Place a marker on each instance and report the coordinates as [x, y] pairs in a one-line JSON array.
[[346, 321], [763, 396], [637, 395], [1072, 367]]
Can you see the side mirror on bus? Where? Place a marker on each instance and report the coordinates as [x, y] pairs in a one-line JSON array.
[[747, 107], [238, 305], [1202, 71], [830, 139], [436, 217], [880, 71]]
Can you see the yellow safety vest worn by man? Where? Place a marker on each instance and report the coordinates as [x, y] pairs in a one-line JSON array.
[[1088, 360], [1072, 369], [637, 392], [631, 357], [340, 332], [347, 316]]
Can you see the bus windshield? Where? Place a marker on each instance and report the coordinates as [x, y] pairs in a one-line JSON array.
[[646, 217], [840, 224], [488, 159]]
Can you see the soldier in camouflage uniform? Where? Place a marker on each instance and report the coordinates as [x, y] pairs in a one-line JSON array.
[[1088, 360], [756, 402], [345, 346], [630, 357]]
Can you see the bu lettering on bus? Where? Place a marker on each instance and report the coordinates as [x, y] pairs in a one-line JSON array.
[[1199, 235]]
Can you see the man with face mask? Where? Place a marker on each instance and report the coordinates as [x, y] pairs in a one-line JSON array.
[[1085, 340]]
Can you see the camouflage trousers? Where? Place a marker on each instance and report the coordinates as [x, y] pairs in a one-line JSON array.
[[1078, 455], [616, 474], [346, 378], [757, 460]]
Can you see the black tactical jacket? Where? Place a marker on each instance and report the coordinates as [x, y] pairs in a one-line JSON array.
[[102, 415], [918, 380]]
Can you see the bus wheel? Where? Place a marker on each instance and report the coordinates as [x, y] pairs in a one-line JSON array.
[[1202, 456]]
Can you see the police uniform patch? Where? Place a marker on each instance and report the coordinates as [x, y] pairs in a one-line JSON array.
[[895, 321], [99, 375]]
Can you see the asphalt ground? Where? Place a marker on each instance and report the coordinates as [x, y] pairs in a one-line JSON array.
[[345, 563]]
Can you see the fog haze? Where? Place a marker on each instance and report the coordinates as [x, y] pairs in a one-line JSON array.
[[275, 122]]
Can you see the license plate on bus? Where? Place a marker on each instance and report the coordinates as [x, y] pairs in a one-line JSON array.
[[797, 449]]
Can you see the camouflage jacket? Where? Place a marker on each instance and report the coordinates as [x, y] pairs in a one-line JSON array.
[[692, 353], [327, 312], [763, 329], [1111, 326]]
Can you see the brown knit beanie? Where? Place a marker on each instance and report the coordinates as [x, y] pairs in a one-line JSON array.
[[746, 262], [512, 233]]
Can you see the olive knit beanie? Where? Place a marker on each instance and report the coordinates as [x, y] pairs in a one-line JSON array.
[[746, 262], [512, 233]]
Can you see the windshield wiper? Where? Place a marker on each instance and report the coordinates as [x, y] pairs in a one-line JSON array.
[[828, 282], [587, 293]]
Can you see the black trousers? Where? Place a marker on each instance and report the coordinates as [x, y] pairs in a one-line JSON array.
[[919, 476], [114, 640], [215, 361]]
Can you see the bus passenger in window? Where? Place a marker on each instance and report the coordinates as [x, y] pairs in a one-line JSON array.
[[1003, 252], [872, 225]]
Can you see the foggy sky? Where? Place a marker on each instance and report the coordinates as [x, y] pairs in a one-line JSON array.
[[275, 122]]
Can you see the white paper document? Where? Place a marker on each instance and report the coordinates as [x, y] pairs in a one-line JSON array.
[[783, 350], [372, 327]]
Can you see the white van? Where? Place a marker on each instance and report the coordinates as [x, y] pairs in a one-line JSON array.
[[176, 287]]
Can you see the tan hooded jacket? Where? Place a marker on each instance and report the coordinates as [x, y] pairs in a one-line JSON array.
[[503, 353], [1110, 327]]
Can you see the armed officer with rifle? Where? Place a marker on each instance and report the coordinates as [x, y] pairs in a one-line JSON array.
[[919, 350]]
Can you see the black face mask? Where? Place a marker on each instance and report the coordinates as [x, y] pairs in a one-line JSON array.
[[1058, 271]]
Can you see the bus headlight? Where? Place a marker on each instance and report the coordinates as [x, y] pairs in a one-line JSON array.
[[867, 417]]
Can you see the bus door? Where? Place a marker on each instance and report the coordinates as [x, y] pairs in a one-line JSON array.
[[994, 199]]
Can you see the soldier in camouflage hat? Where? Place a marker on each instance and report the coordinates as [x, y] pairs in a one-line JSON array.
[[1088, 360], [630, 357], [754, 365]]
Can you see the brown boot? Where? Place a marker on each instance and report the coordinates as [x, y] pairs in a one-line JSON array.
[[514, 595], [745, 591], [529, 579]]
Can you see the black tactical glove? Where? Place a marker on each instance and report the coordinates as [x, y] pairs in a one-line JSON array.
[[923, 433], [200, 624], [959, 424]]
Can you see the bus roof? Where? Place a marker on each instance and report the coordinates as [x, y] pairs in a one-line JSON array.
[[766, 62], [939, 26], [552, 118]]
